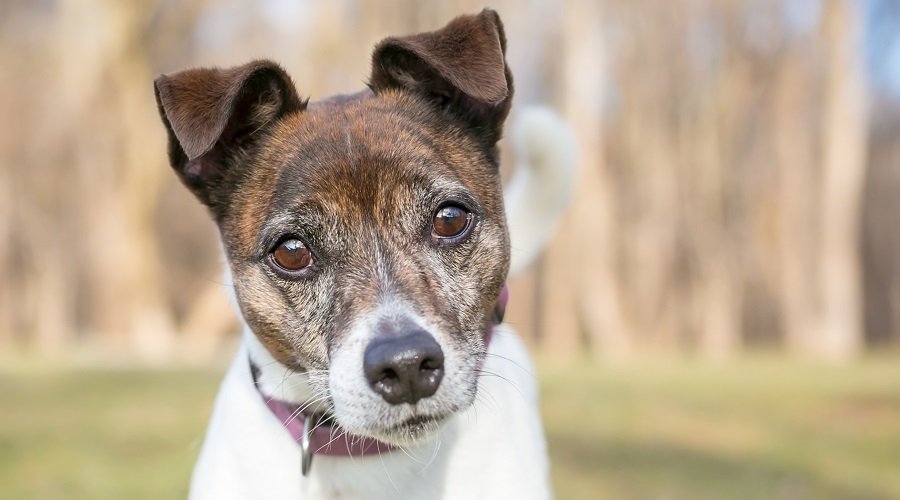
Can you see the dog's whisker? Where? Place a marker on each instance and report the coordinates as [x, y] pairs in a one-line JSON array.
[[485, 397], [388, 473], [407, 447], [350, 438], [300, 409], [434, 451], [483, 373], [334, 438], [319, 424], [514, 362]]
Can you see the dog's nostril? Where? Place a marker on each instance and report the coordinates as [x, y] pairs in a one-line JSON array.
[[430, 364], [404, 369], [389, 375]]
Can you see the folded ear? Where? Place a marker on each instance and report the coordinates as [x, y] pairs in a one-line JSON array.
[[460, 68], [213, 115]]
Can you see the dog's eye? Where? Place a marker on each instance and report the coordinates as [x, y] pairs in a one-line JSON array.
[[450, 221], [291, 255]]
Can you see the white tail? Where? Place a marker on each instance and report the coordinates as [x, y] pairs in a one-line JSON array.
[[541, 186]]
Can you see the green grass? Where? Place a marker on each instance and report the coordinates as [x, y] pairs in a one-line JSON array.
[[759, 430], [756, 429], [83, 434]]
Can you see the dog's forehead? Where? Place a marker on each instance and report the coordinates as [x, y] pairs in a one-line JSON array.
[[355, 150], [352, 156]]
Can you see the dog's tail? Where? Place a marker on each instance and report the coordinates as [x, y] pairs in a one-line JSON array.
[[541, 185]]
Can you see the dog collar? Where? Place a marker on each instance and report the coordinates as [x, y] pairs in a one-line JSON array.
[[318, 434]]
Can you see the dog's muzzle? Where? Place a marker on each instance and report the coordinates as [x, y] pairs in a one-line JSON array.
[[402, 369]]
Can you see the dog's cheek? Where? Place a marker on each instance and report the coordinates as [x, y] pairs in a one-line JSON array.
[[309, 326], [493, 258], [293, 339], [480, 274], [262, 314]]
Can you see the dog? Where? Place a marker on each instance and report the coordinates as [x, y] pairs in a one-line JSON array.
[[367, 243]]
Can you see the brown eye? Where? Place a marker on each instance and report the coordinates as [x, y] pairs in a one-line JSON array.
[[450, 221], [291, 255]]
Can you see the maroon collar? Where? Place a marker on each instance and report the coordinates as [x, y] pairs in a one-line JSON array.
[[325, 436]]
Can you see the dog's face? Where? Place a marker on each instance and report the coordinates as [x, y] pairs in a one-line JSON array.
[[365, 233]]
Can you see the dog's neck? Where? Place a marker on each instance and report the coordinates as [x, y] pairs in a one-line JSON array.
[[277, 380]]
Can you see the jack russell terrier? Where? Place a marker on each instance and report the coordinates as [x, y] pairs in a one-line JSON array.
[[367, 242]]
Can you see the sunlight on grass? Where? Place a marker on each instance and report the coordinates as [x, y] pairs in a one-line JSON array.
[[757, 429], [751, 430], [101, 434]]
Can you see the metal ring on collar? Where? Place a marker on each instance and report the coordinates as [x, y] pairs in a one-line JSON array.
[[306, 452]]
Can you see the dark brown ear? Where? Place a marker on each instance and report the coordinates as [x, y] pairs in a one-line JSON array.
[[461, 68], [214, 115]]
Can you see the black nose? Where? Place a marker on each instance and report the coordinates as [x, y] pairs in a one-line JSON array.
[[404, 368]]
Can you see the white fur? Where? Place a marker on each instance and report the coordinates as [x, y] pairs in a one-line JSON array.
[[358, 407], [494, 449]]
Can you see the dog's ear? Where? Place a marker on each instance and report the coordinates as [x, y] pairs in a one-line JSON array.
[[460, 68], [214, 115]]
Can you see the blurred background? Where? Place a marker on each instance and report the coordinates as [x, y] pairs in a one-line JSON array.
[[717, 317]]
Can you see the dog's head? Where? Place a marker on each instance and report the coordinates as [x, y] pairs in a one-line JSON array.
[[365, 234]]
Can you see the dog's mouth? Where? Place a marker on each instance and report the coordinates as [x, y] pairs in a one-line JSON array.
[[418, 423], [412, 430]]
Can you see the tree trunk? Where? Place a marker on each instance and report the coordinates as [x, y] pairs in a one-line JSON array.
[[844, 142]]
